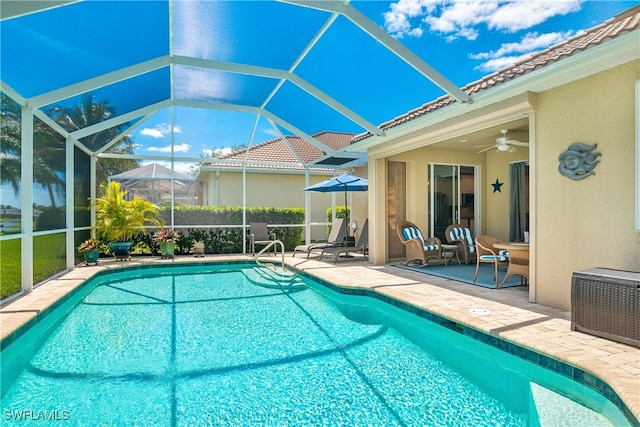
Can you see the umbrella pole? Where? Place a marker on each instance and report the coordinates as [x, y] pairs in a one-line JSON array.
[[346, 211]]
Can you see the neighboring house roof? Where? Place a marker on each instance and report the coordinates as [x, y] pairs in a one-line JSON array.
[[154, 182], [621, 24], [150, 172], [276, 154]]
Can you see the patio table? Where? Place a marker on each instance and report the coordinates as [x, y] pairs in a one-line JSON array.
[[518, 259], [448, 252]]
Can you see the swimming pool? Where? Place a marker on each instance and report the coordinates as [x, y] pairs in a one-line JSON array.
[[200, 344]]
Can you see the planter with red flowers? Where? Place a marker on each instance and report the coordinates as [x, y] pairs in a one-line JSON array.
[[89, 249], [166, 238]]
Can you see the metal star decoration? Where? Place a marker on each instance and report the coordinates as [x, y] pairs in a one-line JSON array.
[[496, 186]]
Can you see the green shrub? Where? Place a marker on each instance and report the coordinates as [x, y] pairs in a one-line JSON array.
[[225, 240], [341, 212]]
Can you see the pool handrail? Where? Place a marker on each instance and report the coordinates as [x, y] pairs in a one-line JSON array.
[[266, 248]]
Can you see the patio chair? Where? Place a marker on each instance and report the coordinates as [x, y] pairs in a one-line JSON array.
[[417, 247], [336, 238], [259, 235], [486, 253], [361, 245], [463, 237]]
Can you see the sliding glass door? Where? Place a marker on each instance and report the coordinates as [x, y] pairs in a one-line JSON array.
[[452, 198]]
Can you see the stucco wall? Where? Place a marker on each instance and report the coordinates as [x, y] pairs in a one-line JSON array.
[[587, 223], [281, 190]]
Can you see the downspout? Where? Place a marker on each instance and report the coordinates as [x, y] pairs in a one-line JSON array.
[[216, 189]]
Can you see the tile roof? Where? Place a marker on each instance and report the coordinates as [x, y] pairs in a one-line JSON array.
[[276, 150], [621, 24]]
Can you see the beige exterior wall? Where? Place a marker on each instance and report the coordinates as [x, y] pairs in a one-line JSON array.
[[587, 223], [284, 191], [575, 224]]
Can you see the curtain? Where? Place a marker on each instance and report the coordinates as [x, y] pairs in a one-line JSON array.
[[517, 201], [396, 205]]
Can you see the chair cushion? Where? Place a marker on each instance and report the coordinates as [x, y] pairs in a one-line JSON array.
[[412, 233], [463, 233], [430, 247], [499, 258], [504, 252]]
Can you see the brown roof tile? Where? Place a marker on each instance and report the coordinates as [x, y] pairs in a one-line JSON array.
[[276, 150], [621, 24]]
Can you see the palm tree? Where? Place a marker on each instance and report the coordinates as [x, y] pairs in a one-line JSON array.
[[49, 146], [10, 142], [91, 112], [48, 151]]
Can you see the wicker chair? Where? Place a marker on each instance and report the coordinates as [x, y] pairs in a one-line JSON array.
[[486, 253], [417, 247], [462, 237]]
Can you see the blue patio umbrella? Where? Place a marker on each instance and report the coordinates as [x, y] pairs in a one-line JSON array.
[[344, 182]]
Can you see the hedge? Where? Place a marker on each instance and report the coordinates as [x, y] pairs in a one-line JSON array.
[[222, 240]]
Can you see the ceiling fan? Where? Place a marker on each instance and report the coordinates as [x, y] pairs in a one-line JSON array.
[[503, 143]]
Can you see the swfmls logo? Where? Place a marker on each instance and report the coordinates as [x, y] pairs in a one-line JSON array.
[[31, 415]]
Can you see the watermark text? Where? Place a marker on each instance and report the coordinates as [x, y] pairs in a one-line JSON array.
[[39, 415]]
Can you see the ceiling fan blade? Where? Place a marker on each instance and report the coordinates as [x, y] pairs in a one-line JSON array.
[[485, 145], [522, 144], [486, 149]]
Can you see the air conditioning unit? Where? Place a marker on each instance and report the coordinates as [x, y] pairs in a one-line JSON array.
[[606, 303]]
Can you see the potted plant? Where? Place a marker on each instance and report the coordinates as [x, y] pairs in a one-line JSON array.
[[118, 219], [167, 240], [198, 249], [89, 249]]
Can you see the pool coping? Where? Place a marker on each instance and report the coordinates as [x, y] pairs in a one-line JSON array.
[[602, 379], [562, 368]]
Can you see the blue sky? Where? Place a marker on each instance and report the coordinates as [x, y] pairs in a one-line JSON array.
[[463, 40]]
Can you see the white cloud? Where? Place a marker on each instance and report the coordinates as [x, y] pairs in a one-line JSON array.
[[461, 18], [520, 15], [397, 19], [508, 53], [178, 148], [160, 130]]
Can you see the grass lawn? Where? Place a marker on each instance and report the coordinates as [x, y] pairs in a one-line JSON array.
[[52, 261]]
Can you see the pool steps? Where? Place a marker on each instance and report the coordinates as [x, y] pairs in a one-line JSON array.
[[273, 279]]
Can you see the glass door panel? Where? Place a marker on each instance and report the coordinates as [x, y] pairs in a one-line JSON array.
[[443, 196], [451, 197]]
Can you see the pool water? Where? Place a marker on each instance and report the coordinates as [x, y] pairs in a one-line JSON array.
[[231, 345]]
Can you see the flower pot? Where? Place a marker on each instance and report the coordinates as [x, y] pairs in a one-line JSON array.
[[167, 249], [121, 250], [91, 256], [198, 249]]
